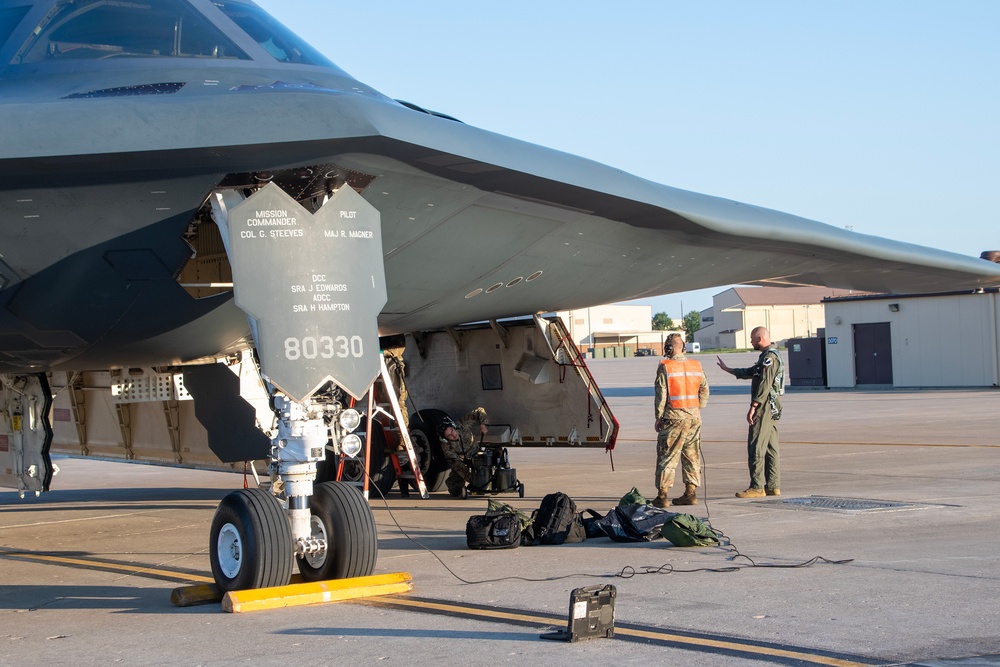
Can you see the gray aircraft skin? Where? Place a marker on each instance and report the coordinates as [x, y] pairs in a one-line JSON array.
[[120, 119]]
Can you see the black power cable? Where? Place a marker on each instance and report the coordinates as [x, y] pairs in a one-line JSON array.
[[628, 571], [732, 547]]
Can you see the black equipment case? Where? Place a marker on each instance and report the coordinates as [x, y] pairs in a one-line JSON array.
[[591, 614], [492, 473]]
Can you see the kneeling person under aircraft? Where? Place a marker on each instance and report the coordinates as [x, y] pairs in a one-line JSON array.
[[459, 443]]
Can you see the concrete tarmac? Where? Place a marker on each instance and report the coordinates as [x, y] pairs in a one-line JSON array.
[[87, 569]]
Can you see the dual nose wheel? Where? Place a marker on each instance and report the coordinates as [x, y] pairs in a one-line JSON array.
[[252, 547]]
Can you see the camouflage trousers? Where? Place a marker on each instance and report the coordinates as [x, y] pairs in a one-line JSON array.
[[457, 457], [394, 364], [679, 441]]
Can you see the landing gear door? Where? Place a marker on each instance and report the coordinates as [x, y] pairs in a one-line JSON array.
[[313, 285], [25, 434]]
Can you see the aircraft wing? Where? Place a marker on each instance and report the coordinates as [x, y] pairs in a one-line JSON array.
[[611, 236]]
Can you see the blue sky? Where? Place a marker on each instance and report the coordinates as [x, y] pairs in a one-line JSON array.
[[880, 116]]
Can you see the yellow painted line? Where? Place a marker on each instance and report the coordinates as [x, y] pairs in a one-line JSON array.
[[96, 564], [744, 648], [472, 611], [317, 592], [864, 444], [387, 584], [493, 614], [900, 444]]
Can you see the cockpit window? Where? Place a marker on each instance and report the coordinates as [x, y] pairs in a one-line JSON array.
[[81, 29], [9, 18], [276, 39]]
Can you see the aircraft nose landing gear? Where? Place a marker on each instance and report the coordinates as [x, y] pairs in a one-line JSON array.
[[289, 260], [328, 529]]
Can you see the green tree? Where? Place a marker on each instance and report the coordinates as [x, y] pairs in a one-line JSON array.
[[692, 322], [661, 322]]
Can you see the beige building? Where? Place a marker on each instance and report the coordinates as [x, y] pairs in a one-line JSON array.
[[787, 312], [622, 330]]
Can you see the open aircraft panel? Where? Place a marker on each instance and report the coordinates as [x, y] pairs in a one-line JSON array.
[[532, 396]]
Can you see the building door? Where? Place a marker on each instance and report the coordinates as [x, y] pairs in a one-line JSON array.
[[872, 353]]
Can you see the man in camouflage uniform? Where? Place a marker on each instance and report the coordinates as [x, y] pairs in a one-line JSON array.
[[459, 443], [681, 392], [392, 351], [766, 386], [397, 374]]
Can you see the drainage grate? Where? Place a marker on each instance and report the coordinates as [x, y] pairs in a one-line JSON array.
[[847, 505]]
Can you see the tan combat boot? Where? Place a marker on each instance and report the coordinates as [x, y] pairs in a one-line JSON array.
[[752, 492], [689, 497], [661, 500]]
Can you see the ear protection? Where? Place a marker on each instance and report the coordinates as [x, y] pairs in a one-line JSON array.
[[668, 347], [446, 423]]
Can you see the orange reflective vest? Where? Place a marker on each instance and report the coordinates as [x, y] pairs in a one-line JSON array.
[[683, 382]]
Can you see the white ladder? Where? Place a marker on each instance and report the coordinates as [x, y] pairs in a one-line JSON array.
[[389, 392]]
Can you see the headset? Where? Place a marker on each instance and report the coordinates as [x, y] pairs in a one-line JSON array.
[[668, 349], [446, 423]]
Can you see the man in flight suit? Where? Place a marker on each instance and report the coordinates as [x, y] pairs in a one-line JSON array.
[[681, 392], [459, 443], [766, 385]]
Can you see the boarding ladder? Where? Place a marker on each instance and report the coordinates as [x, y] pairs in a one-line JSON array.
[[382, 395], [565, 353]]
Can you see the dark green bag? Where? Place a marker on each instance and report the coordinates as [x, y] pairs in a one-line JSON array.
[[633, 497], [496, 507], [685, 530]]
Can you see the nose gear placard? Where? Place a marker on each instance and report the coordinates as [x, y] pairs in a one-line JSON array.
[[314, 284]]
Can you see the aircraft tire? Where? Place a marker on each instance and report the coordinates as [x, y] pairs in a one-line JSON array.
[[382, 471], [427, 422], [342, 517], [251, 542], [423, 442]]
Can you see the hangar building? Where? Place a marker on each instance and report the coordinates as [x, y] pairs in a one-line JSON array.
[[914, 340]]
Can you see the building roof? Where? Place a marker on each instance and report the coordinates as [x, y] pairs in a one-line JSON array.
[[865, 296], [790, 296]]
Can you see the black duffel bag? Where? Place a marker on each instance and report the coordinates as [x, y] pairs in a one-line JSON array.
[[497, 531], [634, 523]]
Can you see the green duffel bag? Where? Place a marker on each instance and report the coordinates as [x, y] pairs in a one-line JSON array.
[[633, 497], [685, 530]]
